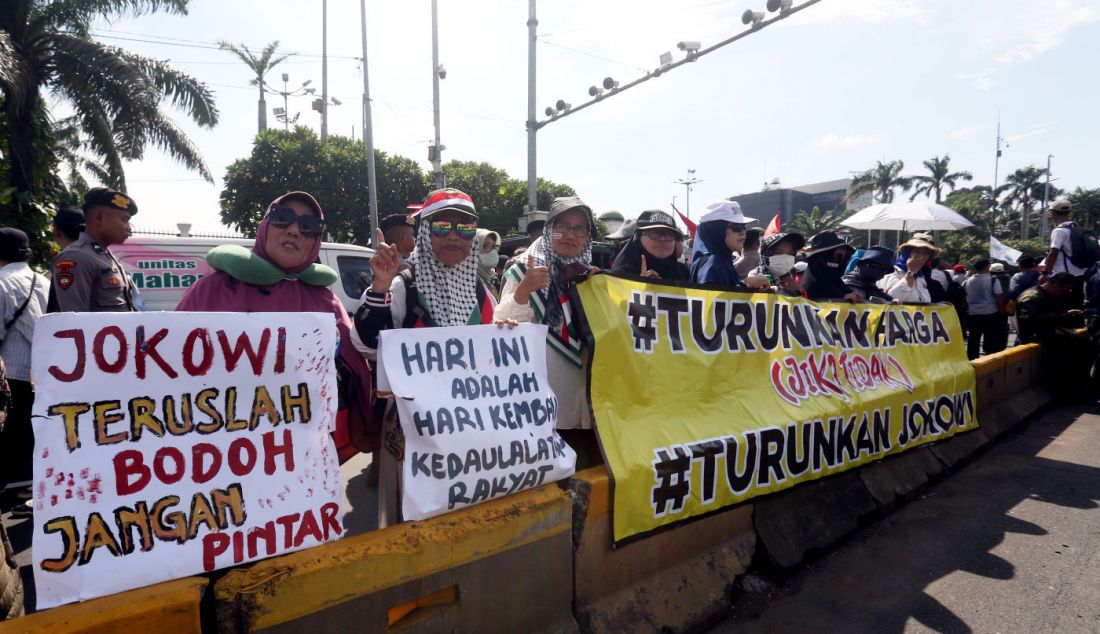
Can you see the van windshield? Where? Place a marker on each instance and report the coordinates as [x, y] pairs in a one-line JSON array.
[[355, 274]]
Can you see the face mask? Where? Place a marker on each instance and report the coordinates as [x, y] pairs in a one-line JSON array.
[[780, 265], [491, 258]]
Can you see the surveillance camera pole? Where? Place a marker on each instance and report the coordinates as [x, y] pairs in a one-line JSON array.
[[532, 117], [437, 155], [534, 125]]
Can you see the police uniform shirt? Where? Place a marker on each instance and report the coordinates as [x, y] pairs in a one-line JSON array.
[[87, 278]]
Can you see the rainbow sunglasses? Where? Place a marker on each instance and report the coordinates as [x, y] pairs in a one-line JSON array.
[[443, 228]]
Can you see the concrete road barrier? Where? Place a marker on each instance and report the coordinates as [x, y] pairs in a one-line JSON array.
[[670, 581], [501, 566], [172, 606]]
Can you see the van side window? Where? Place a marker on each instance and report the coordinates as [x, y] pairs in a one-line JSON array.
[[355, 274]]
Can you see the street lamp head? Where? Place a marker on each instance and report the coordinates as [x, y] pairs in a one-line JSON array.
[[689, 47], [782, 6], [752, 17], [595, 91], [279, 111], [610, 84]]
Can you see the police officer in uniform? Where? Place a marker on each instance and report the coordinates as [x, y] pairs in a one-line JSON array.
[[86, 276]]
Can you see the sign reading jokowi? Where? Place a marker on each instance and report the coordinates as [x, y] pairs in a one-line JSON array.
[[169, 444]]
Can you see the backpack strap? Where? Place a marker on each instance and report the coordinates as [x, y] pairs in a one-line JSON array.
[[19, 311], [416, 316]]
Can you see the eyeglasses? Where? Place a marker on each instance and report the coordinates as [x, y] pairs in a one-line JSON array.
[[736, 227], [578, 231], [443, 228], [662, 236], [282, 217]]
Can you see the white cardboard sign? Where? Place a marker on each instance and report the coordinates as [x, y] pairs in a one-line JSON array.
[[477, 414], [170, 444]]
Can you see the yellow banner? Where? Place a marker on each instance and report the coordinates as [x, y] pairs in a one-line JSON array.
[[703, 399]]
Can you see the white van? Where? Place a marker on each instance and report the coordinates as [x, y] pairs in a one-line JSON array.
[[163, 268]]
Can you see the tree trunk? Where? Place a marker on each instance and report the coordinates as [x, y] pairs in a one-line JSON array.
[[23, 140]]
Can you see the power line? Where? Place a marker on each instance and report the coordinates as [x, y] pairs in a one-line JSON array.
[[209, 46], [587, 54]]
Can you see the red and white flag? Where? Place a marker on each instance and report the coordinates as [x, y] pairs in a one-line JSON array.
[[773, 226]]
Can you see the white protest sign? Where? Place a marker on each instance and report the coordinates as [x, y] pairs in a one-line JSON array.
[[477, 413], [170, 444]]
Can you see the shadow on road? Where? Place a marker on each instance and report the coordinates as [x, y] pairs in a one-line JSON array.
[[892, 571]]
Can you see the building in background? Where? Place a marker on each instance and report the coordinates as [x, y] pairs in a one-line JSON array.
[[788, 201]]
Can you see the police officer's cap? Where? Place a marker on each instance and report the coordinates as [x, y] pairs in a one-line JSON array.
[[107, 197], [396, 220]]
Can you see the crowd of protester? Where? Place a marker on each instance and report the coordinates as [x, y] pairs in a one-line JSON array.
[[437, 268]]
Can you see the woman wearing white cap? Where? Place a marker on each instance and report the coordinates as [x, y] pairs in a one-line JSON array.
[[721, 232]]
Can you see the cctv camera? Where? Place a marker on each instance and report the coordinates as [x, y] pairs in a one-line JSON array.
[[690, 47], [779, 5], [549, 111], [336, 102], [610, 84], [562, 105], [441, 71], [595, 91], [751, 17]]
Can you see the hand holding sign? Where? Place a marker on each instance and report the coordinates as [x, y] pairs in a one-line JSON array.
[[385, 264]]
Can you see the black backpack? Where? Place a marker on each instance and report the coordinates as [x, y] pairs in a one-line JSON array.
[[1085, 247]]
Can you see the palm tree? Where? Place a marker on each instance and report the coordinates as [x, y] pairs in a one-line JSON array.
[[260, 65], [7, 58], [1025, 186], [115, 95], [880, 181], [815, 221], [941, 176]]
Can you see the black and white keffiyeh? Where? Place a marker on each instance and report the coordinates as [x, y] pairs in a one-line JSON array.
[[451, 291], [551, 304]]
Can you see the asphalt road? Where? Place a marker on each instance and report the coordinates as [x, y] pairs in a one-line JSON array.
[[1010, 543]]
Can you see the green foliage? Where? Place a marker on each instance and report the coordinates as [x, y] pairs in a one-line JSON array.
[[1086, 207], [115, 97], [601, 231], [816, 221], [334, 172], [880, 181], [940, 176], [500, 199]]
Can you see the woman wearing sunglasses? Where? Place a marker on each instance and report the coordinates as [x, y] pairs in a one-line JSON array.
[[440, 287], [720, 234], [280, 274], [651, 251], [535, 291]]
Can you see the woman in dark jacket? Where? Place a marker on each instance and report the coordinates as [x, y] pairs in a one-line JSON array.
[[721, 232], [651, 251], [826, 258]]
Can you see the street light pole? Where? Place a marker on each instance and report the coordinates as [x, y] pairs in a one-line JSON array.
[[532, 122], [1044, 227], [688, 182], [437, 153], [368, 132], [324, 70], [286, 103]]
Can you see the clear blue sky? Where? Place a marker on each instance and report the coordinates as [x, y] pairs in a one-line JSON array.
[[827, 92]]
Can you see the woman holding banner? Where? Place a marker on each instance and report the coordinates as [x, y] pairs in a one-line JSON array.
[[440, 288], [536, 292], [280, 275]]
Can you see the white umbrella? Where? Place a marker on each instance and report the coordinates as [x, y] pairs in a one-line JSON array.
[[907, 217]]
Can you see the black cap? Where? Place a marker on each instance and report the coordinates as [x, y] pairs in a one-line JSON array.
[[657, 219], [14, 245], [880, 255], [70, 221], [535, 225], [768, 243], [396, 220], [107, 197]]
